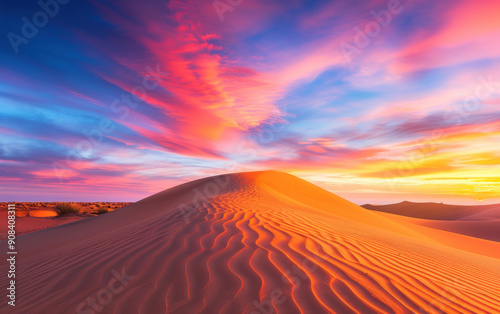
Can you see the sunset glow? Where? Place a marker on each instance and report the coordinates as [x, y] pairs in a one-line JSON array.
[[376, 101]]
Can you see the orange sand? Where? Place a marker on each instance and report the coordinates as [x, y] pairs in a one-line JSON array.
[[436, 211], [259, 242]]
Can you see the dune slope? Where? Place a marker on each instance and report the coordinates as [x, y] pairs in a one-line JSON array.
[[259, 242], [437, 211], [481, 222]]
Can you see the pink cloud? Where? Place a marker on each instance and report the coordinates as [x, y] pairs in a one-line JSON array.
[[465, 36]]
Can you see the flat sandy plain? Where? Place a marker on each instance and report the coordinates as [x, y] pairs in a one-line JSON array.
[[35, 216]]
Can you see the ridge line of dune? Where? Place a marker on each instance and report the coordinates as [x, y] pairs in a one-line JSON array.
[[242, 246]]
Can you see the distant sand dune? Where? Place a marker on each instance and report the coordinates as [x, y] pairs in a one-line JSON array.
[[262, 242], [473, 222], [436, 211], [488, 229]]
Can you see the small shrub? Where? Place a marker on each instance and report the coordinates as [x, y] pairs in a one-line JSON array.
[[101, 211], [66, 208]]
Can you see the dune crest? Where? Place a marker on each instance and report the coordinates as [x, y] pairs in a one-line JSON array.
[[259, 242]]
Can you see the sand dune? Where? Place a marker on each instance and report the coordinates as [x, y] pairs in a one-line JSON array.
[[439, 220], [478, 237], [486, 228], [257, 242], [437, 211]]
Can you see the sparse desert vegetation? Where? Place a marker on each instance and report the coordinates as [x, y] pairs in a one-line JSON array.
[[101, 211], [35, 216], [52, 209], [62, 209]]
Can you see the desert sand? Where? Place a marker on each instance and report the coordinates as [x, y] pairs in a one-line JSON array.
[[470, 228], [437, 211], [33, 217], [259, 242]]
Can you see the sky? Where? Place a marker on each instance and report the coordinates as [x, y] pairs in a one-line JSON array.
[[376, 101]]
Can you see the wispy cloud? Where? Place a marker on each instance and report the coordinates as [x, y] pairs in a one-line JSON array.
[[400, 103]]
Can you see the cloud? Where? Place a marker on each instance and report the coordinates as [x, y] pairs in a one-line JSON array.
[[269, 79]]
